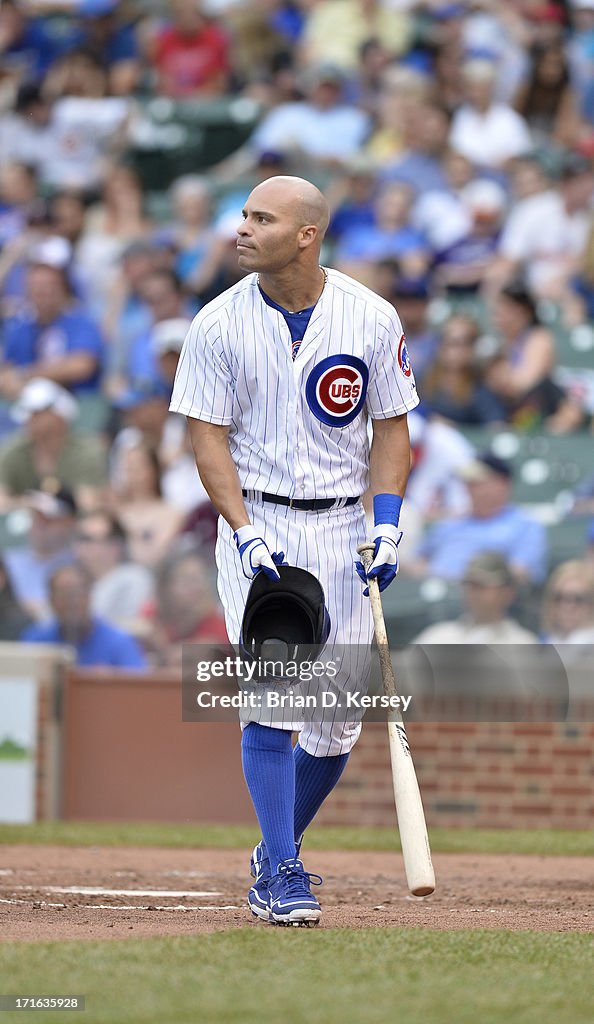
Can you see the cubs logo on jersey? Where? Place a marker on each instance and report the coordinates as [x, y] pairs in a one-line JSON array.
[[336, 388], [403, 359]]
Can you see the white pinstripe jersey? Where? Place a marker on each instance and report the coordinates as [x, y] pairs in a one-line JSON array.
[[297, 428]]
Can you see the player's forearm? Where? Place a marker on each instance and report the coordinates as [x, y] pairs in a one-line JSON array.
[[389, 457], [67, 370], [218, 471]]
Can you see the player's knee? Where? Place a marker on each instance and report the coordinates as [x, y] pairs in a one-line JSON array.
[[264, 737]]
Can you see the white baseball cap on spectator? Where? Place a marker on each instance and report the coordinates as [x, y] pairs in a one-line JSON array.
[[169, 335], [484, 197], [41, 395], [53, 252]]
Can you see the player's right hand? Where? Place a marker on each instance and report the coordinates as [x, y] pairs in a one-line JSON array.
[[255, 554]]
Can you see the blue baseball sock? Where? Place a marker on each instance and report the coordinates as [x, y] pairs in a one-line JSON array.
[[315, 778], [269, 772]]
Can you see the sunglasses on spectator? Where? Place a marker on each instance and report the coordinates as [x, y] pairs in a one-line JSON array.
[[569, 598]]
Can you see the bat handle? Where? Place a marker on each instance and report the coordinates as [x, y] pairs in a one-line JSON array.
[[366, 551]]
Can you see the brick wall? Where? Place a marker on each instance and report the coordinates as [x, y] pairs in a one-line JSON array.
[[486, 775]]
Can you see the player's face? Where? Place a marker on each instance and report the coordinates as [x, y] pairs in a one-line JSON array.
[[268, 235]]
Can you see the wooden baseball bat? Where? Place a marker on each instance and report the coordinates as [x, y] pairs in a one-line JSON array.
[[407, 797]]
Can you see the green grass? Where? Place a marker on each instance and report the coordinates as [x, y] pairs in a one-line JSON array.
[[537, 841], [272, 976]]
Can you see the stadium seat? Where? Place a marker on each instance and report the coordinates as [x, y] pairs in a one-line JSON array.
[[547, 468], [410, 605], [171, 138], [567, 539]]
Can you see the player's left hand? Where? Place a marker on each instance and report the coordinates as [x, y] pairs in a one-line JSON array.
[[385, 557]]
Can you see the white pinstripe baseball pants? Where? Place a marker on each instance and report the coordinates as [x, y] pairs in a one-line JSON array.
[[324, 543]]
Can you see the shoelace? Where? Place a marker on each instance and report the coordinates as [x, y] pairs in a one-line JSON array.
[[297, 879]]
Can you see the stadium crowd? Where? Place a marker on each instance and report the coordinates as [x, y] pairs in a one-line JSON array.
[[455, 143]]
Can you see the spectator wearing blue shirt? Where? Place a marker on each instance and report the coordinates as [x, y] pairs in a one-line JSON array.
[[421, 165], [165, 299], [52, 337], [114, 41], [492, 524], [95, 641], [390, 237]]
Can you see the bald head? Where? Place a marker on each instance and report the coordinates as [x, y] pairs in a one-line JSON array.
[[306, 203]]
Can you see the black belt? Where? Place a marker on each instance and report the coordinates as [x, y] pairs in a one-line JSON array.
[[301, 505]]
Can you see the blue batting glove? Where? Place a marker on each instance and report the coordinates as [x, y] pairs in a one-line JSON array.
[[385, 557], [255, 554]]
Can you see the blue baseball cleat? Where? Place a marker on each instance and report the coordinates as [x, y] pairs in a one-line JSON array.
[[258, 896], [290, 899]]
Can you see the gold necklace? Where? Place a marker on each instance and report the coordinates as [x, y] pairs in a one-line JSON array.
[[293, 311]]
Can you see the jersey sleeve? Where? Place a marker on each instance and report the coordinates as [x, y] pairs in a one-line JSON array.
[[203, 387], [392, 390]]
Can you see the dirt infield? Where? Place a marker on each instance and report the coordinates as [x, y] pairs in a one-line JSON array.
[[154, 892]]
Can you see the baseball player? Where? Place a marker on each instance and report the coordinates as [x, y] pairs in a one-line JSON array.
[[278, 377]]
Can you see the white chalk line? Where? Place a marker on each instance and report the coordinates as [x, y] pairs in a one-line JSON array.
[[92, 890], [107, 906]]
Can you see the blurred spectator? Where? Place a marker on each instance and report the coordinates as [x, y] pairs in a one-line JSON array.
[[150, 522], [580, 49], [441, 214], [18, 192], [127, 315], [191, 53], [404, 91], [411, 297], [425, 139], [488, 591], [95, 641], [350, 198], [487, 132], [180, 483], [260, 48], [142, 415], [53, 337], [197, 246], [336, 30], [120, 588], [86, 126], [35, 241], [13, 619], [568, 605], [578, 304], [187, 610], [434, 490], [110, 35], [390, 237], [501, 34], [165, 298], [529, 175], [321, 129], [40, 33], [48, 448], [111, 226], [49, 546], [365, 85], [452, 388], [549, 258], [493, 523], [67, 211], [463, 266], [24, 131], [521, 375], [546, 99]]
